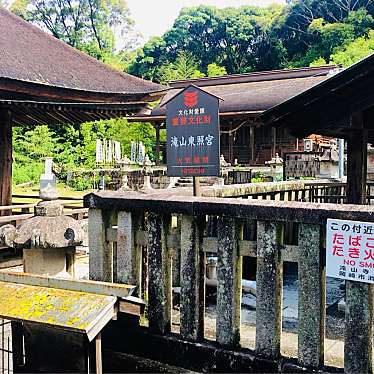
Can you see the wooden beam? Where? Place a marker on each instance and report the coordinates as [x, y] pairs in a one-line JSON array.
[[157, 127], [357, 161], [79, 285], [5, 160], [359, 296]]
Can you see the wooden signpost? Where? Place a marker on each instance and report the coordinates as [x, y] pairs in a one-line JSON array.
[[193, 136]]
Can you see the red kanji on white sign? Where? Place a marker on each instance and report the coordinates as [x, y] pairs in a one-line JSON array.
[[350, 250]]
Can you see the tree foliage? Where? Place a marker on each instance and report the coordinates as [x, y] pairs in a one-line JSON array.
[[203, 41], [302, 33], [89, 25]]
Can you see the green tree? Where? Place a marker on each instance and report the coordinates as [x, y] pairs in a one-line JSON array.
[[185, 67], [354, 51], [215, 70], [90, 25], [149, 59]]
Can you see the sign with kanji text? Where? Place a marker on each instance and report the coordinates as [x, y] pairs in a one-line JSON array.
[[192, 131], [350, 250]]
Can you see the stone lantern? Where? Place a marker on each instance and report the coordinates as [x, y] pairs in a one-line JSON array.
[[48, 240]]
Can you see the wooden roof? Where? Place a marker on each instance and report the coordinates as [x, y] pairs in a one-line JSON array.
[[45, 81], [326, 108], [30, 55], [44, 113], [247, 94]]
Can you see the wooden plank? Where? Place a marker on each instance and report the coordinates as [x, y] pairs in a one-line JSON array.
[[192, 305], [79, 285], [56, 308], [132, 305], [229, 276], [101, 250], [159, 270], [269, 290], [312, 297]]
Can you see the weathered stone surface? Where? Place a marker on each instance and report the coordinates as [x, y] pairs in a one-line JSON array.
[[128, 254], [358, 338], [101, 250], [49, 209], [312, 298], [229, 276], [269, 290], [159, 273], [192, 279], [282, 211]]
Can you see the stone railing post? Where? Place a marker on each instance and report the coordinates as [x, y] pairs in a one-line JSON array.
[[159, 270], [229, 276], [192, 278], [101, 249], [312, 297], [269, 289], [128, 254]]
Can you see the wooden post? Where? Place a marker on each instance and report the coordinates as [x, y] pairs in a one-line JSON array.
[[192, 278], [17, 346], [196, 186], [157, 127], [312, 297], [359, 296], [5, 160], [252, 141], [231, 148], [159, 267], [229, 277], [274, 136], [98, 354], [269, 290], [357, 162]]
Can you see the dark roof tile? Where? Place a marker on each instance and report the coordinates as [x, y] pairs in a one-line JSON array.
[[31, 55]]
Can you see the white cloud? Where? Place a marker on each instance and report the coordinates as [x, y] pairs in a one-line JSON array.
[[154, 17]]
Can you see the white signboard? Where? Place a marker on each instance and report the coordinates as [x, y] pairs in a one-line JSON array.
[[117, 151], [141, 152], [99, 151], [134, 151], [350, 250]]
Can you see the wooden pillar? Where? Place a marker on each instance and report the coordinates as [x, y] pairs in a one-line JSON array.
[[252, 142], [5, 159], [98, 355], [231, 148], [157, 127], [357, 162], [359, 296], [274, 136]]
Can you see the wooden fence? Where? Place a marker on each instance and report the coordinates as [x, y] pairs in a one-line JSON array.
[[310, 191], [121, 227]]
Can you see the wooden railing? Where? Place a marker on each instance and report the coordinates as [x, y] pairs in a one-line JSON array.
[[302, 191], [173, 230]]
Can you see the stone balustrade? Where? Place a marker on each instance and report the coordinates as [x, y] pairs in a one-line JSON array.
[[122, 225]]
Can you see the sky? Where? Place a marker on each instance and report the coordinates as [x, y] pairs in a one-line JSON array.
[[154, 17]]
